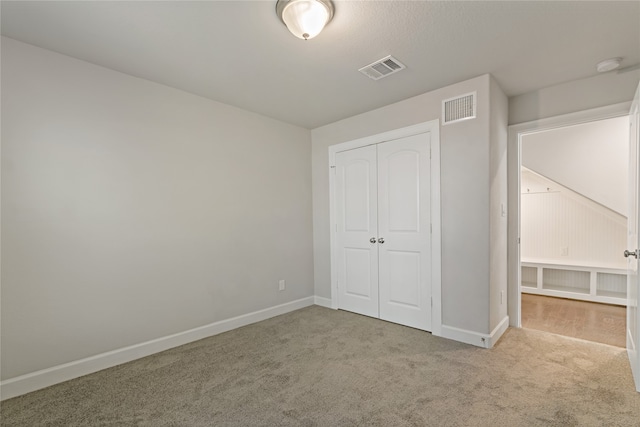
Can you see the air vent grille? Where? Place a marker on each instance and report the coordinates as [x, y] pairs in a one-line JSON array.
[[382, 68], [459, 108]]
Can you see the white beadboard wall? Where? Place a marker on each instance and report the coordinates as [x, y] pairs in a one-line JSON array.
[[554, 217]]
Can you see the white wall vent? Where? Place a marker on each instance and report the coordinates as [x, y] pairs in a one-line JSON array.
[[382, 68], [459, 108]]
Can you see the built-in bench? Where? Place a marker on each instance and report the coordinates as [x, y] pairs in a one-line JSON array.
[[588, 283]]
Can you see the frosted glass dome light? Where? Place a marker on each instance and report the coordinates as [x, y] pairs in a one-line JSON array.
[[305, 18]]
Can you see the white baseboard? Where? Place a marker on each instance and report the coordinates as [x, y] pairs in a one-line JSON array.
[[322, 301], [46, 377], [476, 338], [632, 354], [465, 336], [498, 331]]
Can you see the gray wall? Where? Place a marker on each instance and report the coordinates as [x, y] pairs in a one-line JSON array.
[[131, 211], [465, 187], [578, 95], [499, 107]]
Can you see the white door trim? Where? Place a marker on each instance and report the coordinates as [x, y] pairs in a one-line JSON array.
[[433, 127], [514, 162], [633, 323]]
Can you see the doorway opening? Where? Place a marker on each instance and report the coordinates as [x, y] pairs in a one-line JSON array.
[[567, 272], [573, 226]]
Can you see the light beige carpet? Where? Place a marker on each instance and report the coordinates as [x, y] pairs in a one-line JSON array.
[[319, 367]]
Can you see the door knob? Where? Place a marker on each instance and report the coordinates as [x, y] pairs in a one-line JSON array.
[[627, 253], [381, 240], [372, 240]]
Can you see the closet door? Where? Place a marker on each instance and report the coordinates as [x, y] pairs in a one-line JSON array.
[[404, 236], [356, 233]]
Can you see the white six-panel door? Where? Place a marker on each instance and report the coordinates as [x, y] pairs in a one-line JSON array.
[[383, 239]]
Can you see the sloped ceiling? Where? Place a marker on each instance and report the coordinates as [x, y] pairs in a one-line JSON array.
[[591, 159], [239, 53]]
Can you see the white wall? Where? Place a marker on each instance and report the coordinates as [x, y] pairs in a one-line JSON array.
[[578, 95], [590, 158], [558, 218], [465, 188], [132, 211]]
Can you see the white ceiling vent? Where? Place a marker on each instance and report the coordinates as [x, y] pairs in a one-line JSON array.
[[382, 68], [459, 108]]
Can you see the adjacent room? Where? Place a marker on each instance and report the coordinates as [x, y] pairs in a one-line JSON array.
[[573, 229], [305, 212]]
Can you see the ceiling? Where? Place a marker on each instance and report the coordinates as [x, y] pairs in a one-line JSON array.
[[589, 158], [239, 52]]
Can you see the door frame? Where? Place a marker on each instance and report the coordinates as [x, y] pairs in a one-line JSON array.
[[433, 127], [514, 164], [633, 324]]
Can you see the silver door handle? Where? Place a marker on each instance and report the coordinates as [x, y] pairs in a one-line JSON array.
[[372, 240], [381, 240], [627, 254]]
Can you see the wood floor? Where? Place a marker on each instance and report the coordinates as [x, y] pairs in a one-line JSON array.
[[601, 323]]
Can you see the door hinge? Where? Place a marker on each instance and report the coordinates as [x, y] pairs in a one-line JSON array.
[[431, 228], [518, 240]]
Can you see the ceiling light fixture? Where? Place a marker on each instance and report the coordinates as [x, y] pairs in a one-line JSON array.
[[305, 18], [608, 65]]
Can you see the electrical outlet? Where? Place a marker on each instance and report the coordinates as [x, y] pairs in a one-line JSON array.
[[281, 285], [564, 251]]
